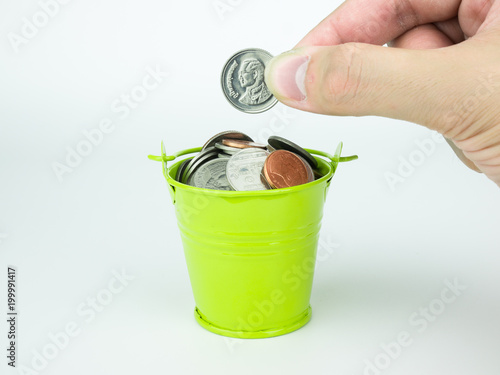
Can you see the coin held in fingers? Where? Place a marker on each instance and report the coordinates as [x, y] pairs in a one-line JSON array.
[[243, 82]]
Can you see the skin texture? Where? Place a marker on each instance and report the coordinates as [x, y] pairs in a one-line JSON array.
[[442, 70]]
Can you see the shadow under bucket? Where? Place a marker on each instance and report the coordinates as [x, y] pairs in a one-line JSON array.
[[251, 254]]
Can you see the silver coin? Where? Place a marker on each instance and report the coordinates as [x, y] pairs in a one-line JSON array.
[[224, 155], [211, 175], [227, 149], [197, 161], [244, 169], [181, 169], [270, 148], [264, 181], [231, 134], [243, 82]]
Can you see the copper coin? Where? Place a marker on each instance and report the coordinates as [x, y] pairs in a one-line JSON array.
[[280, 143], [310, 172], [284, 169], [242, 144], [227, 149], [233, 134]]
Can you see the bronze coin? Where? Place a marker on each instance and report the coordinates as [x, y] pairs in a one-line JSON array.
[[280, 143], [233, 134], [284, 169], [236, 143], [310, 172]]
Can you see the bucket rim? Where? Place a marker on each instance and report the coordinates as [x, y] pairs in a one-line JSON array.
[[331, 163]]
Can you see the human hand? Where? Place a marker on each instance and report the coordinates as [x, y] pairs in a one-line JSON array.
[[444, 72]]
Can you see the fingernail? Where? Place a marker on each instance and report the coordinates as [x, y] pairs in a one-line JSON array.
[[286, 74]]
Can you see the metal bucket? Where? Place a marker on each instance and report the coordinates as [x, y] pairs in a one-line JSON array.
[[251, 254]]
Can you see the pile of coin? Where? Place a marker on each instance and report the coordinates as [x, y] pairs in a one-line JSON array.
[[233, 161]]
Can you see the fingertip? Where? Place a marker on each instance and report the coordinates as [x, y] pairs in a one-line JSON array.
[[285, 76]]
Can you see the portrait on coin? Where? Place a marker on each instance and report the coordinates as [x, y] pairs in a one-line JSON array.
[[251, 77]]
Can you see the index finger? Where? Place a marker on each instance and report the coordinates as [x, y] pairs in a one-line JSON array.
[[377, 21]]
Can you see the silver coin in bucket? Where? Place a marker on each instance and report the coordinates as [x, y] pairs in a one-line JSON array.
[[211, 175], [244, 169]]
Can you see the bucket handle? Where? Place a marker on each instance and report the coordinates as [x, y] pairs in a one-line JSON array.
[[164, 158], [334, 159]]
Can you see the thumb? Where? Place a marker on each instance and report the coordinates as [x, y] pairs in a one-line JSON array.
[[362, 79]]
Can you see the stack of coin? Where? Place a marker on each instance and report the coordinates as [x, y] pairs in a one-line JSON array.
[[231, 160]]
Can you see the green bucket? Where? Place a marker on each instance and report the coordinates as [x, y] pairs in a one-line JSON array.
[[251, 254]]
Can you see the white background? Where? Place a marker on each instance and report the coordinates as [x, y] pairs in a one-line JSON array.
[[388, 251]]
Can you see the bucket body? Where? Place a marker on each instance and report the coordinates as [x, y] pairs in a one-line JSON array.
[[251, 254]]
